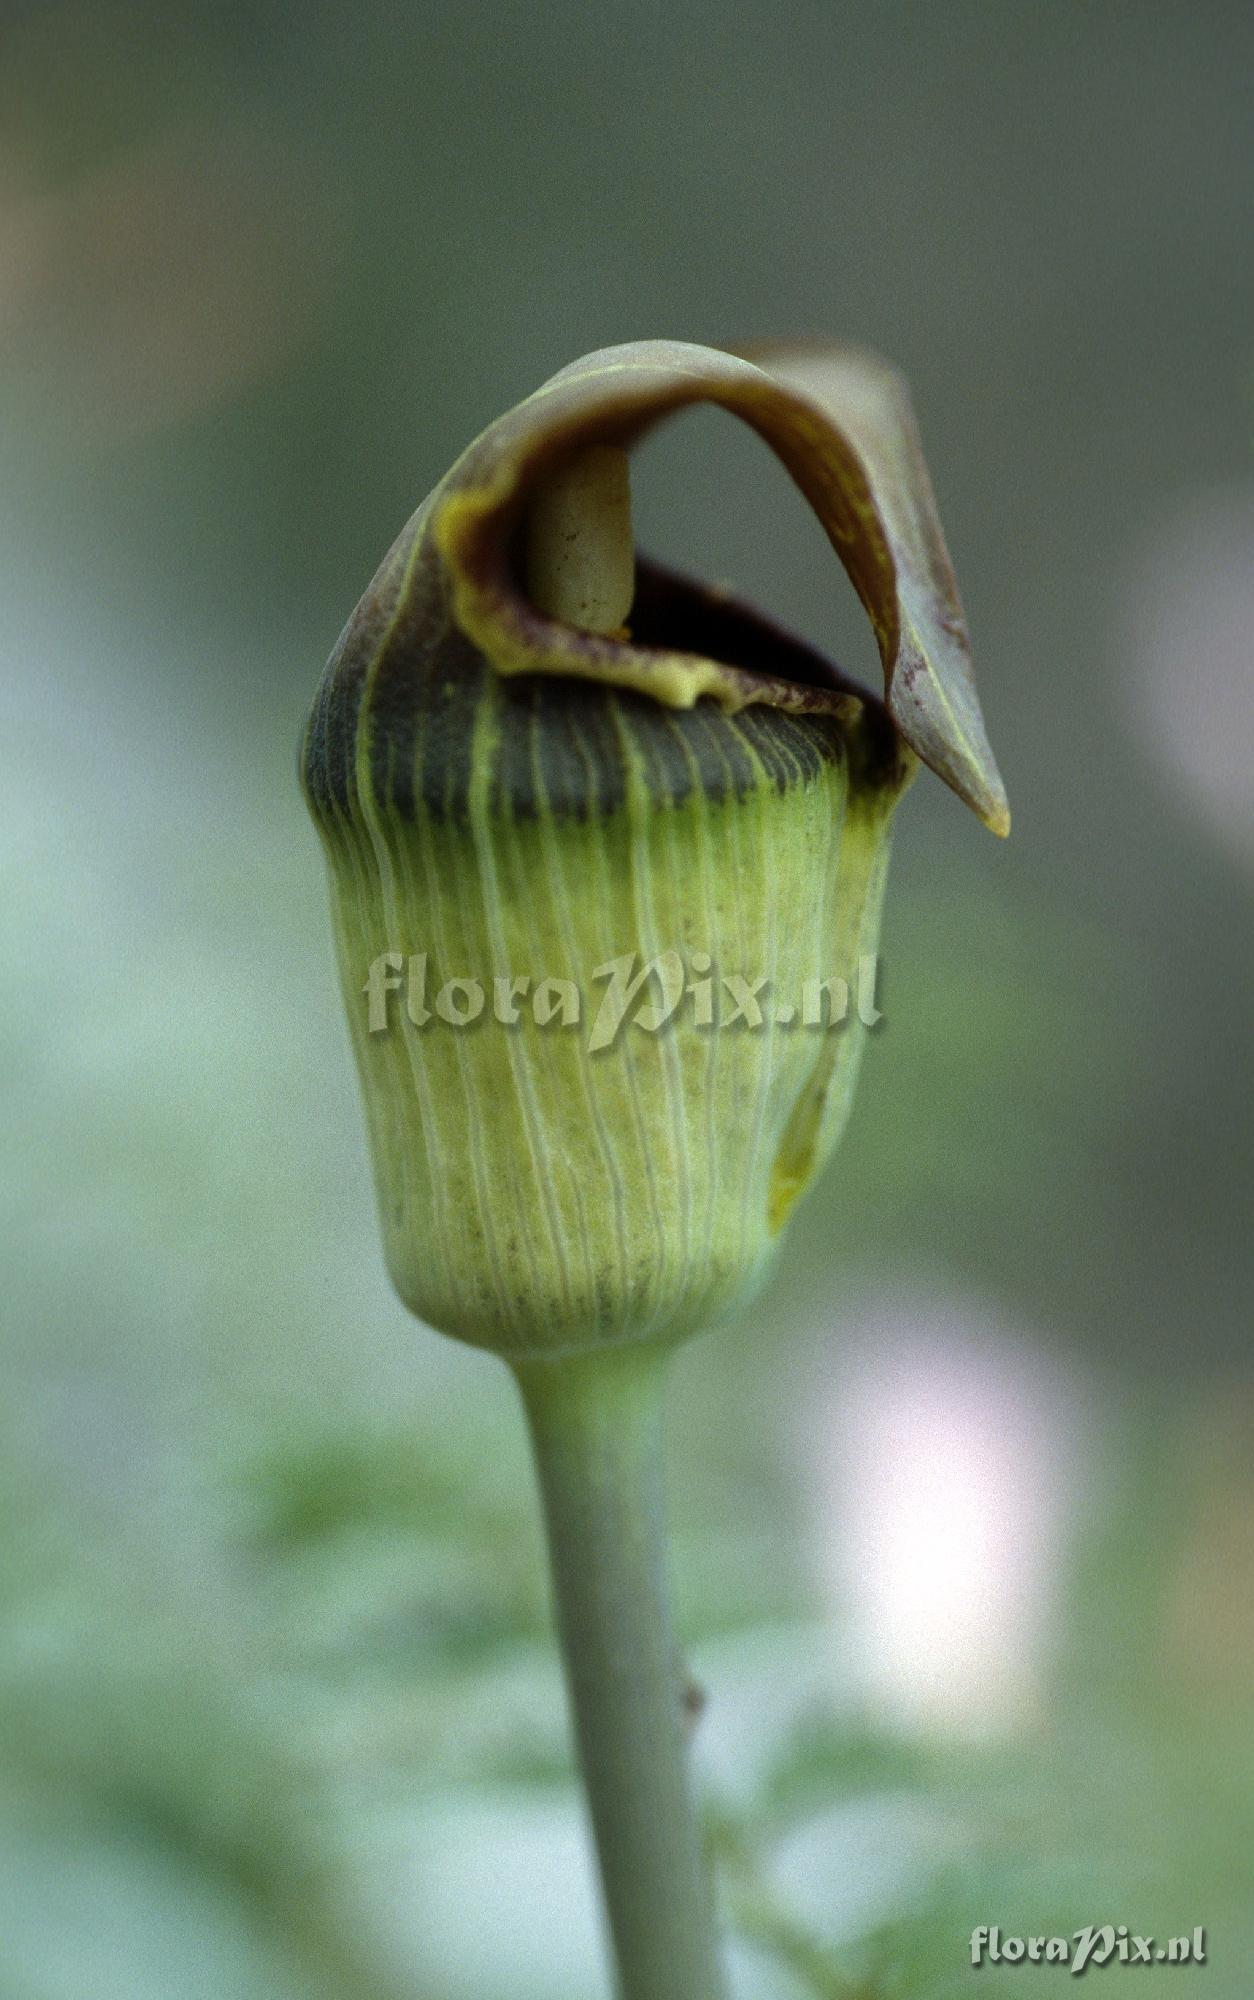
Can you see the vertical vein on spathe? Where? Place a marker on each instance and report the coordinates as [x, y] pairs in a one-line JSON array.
[[386, 861], [707, 941], [668, 824], [641, 809], [410, 1071], [471, 1129], [355, 948], [600, 825], [561, 895], [855, 886], [529, 888], [762, 799], [540, 1159], [403, 904]]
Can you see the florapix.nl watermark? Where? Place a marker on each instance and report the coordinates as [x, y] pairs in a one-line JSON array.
[[629, 991], [1095, 1945]]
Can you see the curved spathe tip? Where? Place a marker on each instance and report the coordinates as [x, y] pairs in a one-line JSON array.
[[839, 419]]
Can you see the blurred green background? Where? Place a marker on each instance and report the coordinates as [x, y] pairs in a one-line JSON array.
[[964, 1507]]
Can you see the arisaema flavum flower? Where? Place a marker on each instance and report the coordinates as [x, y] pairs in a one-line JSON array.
[[607, 850]]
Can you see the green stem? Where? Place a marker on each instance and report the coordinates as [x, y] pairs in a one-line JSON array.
[[596, 1429]]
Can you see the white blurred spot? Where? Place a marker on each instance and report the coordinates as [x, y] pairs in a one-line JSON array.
[[948, 1460]]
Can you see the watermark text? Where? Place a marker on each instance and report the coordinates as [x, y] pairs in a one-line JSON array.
[[627, 991], [1095, 1945]]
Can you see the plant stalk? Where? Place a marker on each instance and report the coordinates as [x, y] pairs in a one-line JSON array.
[[596, 1432]]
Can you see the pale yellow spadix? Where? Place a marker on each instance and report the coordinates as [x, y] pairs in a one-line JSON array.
[[581, 557]]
